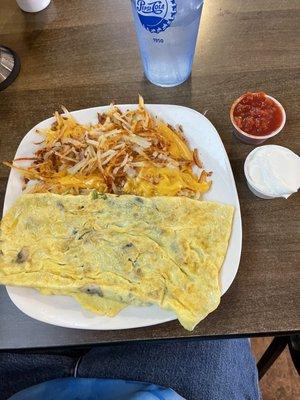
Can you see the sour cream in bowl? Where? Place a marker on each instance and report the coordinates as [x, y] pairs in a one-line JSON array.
[[272, 171]]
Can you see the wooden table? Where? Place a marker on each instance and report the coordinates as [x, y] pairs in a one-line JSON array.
[[84, 54]]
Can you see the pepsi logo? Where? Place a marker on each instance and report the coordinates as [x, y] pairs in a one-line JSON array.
[[156, 15]]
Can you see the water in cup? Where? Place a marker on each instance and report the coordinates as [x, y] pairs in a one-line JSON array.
[[167, 33]]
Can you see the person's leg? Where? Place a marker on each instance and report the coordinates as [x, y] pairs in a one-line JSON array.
[[196, 369], [20, 371]]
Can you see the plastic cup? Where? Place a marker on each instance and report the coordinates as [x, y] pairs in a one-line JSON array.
[[167, 33]]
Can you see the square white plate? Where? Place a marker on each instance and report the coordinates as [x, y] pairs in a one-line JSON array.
[[201, 134]]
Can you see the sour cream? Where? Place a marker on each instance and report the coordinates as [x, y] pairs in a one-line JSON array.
[[273, 171]]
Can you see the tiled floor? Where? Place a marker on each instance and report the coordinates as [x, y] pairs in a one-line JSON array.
[[281, 382]]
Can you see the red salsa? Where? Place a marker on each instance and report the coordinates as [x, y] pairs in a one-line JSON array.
[[257, 114]]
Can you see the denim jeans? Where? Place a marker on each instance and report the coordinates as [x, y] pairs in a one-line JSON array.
[[195, 369]]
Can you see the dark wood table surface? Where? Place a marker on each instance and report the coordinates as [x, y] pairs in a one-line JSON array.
[[84, 54]]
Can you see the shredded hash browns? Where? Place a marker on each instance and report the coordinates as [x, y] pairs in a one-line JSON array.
[[128, 152]]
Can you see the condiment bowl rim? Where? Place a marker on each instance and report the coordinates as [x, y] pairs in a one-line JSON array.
[[258, 138]]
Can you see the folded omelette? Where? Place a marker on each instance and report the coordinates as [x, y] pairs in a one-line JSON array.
[[111, 251]]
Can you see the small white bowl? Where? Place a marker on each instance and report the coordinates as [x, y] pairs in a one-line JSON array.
[[252, 139], [257, 193], [250, 183]]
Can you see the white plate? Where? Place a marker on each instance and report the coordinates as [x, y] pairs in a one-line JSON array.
[[201, 134]]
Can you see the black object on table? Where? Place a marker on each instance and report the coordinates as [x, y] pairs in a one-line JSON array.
[[9, 66]]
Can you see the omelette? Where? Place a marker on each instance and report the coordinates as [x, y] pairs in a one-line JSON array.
[[110, 251]]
